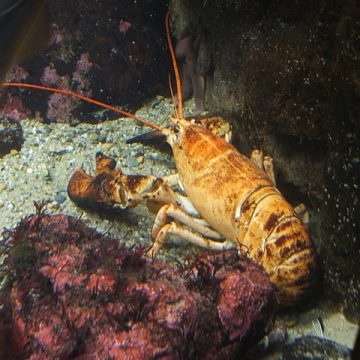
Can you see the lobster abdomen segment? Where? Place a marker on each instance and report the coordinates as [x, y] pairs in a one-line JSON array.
[[277, 239]]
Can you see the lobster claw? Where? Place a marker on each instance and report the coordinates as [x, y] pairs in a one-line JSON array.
[[103, 190], [110, 188]]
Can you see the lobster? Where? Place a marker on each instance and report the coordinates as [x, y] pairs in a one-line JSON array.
[[225, 200]]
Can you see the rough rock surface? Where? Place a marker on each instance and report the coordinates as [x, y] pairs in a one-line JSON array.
[[233, 295], [74, 293], [313, 347], [287, 76]]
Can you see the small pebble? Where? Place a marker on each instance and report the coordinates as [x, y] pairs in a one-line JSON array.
[[107, 146], [131, 163], [140, 159], [45, 174], [155, 156], [2, 186], [10, 207], [60, 198], [54, 205], [94, 138], [10, 187]]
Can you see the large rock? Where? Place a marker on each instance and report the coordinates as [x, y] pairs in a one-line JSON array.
[[72, 292], [315, 348]]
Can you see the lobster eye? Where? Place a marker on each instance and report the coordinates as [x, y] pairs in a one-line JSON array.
[[176, 129]]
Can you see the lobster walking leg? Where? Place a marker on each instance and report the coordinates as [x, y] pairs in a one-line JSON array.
[[303, 213], [257, 157], [165, 194], [264, 163], [174, 228], [175, 212], [269, 168]]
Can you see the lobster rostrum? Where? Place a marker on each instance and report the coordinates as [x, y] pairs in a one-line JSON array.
[[225, 201]]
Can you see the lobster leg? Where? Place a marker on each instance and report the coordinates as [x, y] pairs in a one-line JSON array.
[[264, 163], [194, 230], [165, 194], [303, 213], [181, 216], [171, 180], [269, 168], [257, 157]]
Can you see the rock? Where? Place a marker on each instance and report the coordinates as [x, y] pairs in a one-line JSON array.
[[131, 163], [11, 135], [315, 348], [140, 159], [60, 198], [75, 291], [3, 186], [243, 299], [237, 303], [118, 307]]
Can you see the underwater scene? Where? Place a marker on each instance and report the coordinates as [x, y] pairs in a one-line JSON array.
[[179, 179]]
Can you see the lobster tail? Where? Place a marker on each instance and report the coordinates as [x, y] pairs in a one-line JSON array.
[[278, 241], [294, 261]]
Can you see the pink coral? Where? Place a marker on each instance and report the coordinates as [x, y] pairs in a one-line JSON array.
[[50, 77], [79, 76], [17, 74], [60, 106], [83, 65]]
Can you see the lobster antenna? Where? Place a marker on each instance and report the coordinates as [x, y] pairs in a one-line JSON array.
[[172, 96], [176, 69], [84, 98]]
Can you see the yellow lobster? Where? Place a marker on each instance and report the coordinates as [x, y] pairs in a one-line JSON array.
[[225, 201]]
